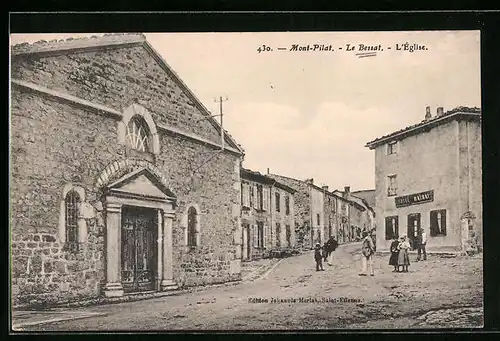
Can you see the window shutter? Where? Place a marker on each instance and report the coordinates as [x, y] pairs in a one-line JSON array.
[[433, 217], [247, 195], [255, 236], [396, 227], [255, 197], [264, 199], [388, 228], [265, 235], [250, 195], [443, 221]]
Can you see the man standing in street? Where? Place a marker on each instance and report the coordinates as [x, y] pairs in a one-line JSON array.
[[329, 247], [367, 252], [318, 257], [421, 245]]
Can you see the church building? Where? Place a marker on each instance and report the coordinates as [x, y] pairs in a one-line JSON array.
[[121, 181]]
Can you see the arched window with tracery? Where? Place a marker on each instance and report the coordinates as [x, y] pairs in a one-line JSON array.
[[138, 134], [72, 201], [192, 227]]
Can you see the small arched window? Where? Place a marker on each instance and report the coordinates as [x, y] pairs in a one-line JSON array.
[[72, 202], [192, 227], [138, 134]]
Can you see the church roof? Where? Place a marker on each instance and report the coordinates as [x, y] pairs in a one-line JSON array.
[[116, 40]]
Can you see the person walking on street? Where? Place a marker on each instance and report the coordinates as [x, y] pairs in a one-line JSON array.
[[330, 246], [367, 252], [318, 257], [421, 246], [394, 254], [403, 258]]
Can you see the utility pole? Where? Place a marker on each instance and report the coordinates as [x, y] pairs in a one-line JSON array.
[[220, 100]]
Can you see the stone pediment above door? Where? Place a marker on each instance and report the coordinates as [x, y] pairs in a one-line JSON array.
[[141, 183]]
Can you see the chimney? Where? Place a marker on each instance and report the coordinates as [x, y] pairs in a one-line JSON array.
[[428, 113], [440, 112], [267, 170], [310, 181], [325, 188], [347, 192]]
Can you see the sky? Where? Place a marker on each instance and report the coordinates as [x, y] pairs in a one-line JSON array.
[[309, 114]]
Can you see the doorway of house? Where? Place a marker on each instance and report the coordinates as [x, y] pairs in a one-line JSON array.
[[413, 231]]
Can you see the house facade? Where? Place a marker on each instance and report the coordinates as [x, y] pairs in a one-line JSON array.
[[360, 217], [313, 211], [267, 215], [429, 176], [121, 181], [368, 195]]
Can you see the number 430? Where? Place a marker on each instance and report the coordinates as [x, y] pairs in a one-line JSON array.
[[263, 48]]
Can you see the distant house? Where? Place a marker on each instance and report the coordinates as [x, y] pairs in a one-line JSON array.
[[368, 195], [308, 210], [267, 214], [429, 176], [361, 216], [119, 182]]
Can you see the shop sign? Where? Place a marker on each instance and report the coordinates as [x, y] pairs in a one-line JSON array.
[[412, 199]]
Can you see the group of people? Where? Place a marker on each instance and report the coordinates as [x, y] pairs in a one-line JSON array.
[[325, 253], [399, 251]]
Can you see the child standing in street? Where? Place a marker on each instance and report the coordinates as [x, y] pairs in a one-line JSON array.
[[318, 257]]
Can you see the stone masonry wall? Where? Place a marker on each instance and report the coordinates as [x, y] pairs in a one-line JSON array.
[[301, 209], [329, 216], [115, 77], [282, 218], [55, 143]]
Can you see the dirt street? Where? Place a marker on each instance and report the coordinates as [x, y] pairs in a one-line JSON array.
[[437, 293]]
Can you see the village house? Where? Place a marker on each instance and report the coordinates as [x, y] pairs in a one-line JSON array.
[[121, 180], [360, 216], [368, 195], [429, 176], [267, 215], [308, 209]]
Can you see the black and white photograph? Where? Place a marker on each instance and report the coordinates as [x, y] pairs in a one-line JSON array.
[[248, 181]]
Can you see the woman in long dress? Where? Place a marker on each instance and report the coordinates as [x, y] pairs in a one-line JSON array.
[[394, 255], [403, 258]]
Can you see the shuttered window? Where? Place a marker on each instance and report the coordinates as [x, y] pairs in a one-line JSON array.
[[252, 199], [265, 199], [278, 234], [438, 223], [288, 235], [260, 234], [260, 201], [391, 227], [266, 228], [245, 195], [253, 233]]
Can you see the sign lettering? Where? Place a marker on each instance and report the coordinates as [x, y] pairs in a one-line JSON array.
[[413, 199]]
